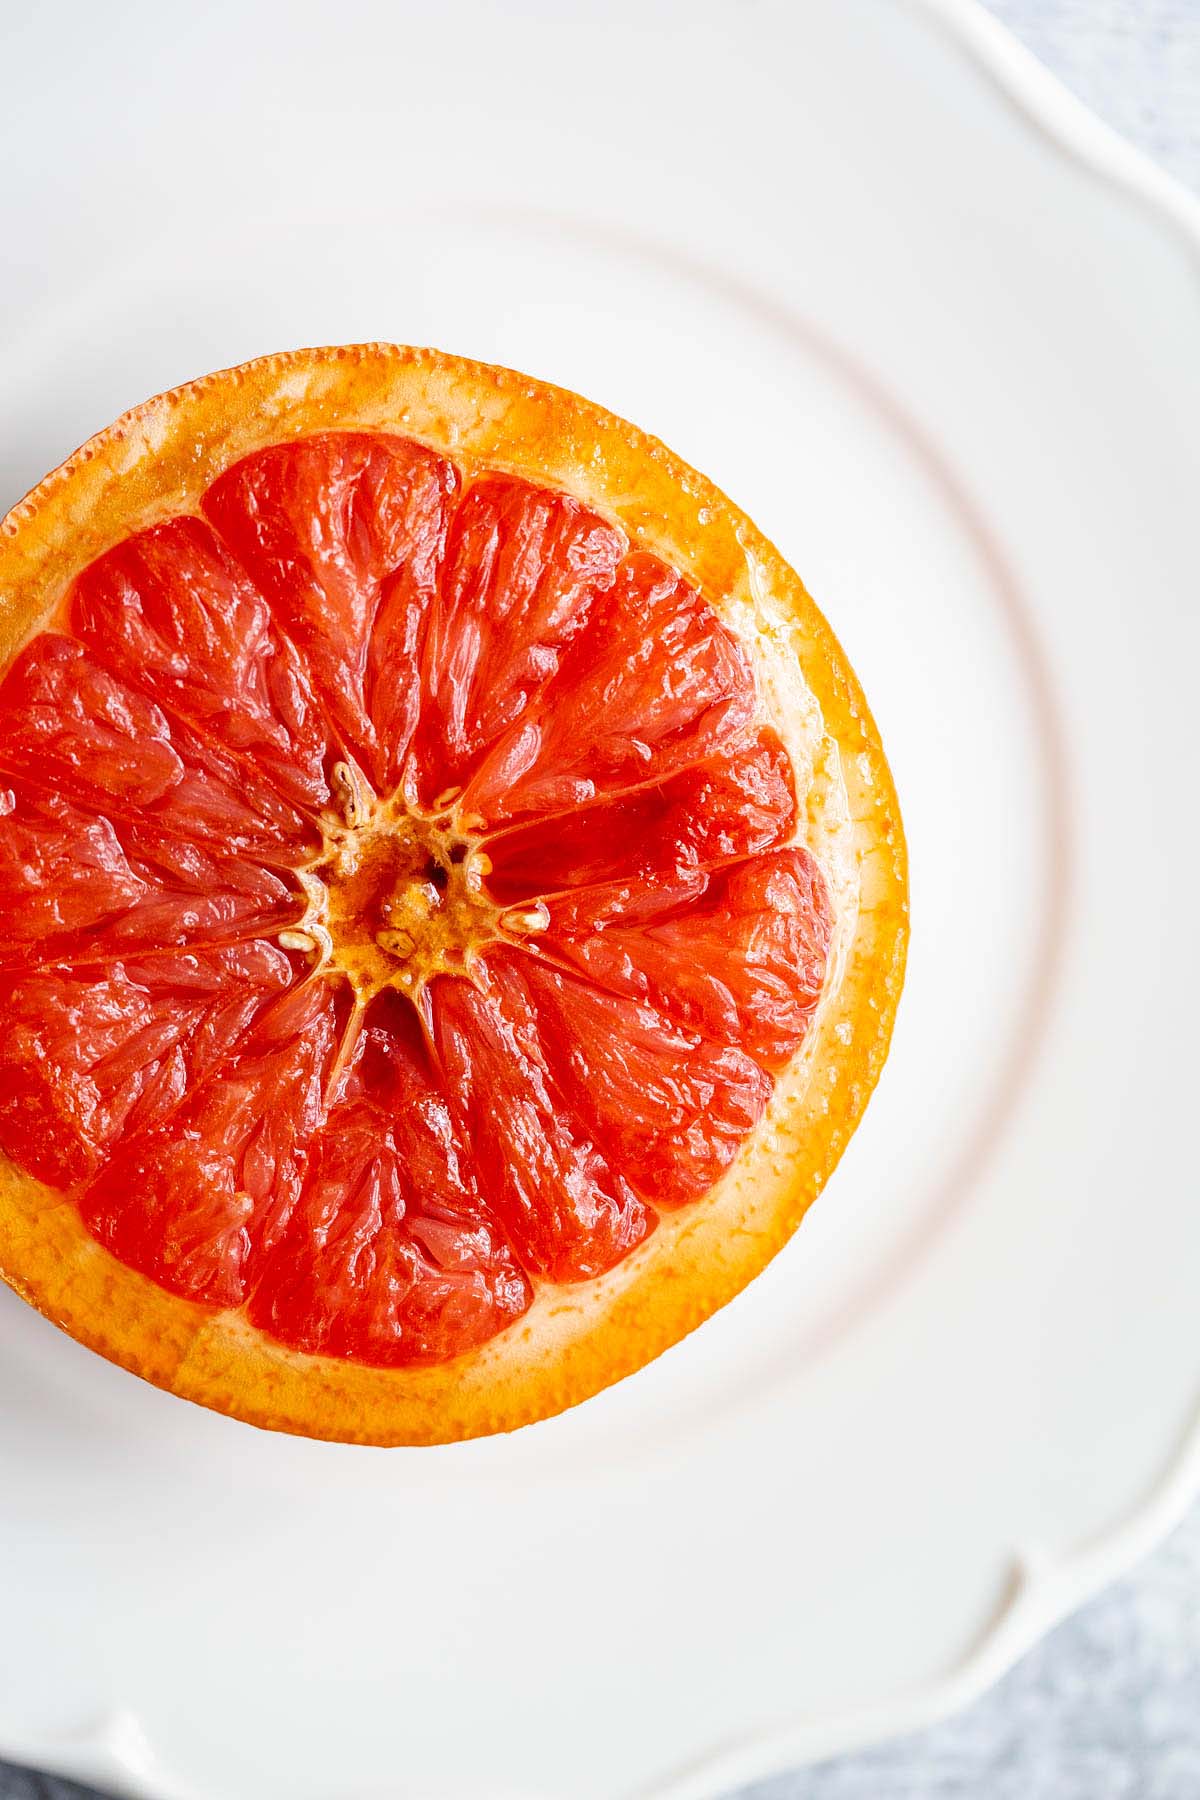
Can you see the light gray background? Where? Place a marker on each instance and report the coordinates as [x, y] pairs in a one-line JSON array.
[[1108, 1707]]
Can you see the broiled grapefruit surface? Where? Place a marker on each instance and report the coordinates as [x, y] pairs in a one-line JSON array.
[[452, 899]]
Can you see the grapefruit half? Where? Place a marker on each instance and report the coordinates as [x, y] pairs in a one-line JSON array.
[[452, 896]]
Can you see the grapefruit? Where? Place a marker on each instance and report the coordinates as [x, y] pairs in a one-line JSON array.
[[452, 896]]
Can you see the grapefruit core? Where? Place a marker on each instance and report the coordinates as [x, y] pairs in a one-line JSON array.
[[452, 896]]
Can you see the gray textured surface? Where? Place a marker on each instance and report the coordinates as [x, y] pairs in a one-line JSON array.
[[1108, 1707], [1135, 62]]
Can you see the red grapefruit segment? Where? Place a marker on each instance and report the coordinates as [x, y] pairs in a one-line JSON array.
[[736, 803], [72, 727], [391, 1257], [652, 683], [523, 567], [61, 873], [567, 1210], [199, 1201], [91, 1056], [742, 961], [344, 534], [669, 1108], [67, 725], [73, 885], [171, 612]]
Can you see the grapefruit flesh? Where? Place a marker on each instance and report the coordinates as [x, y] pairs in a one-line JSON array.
[[400, 898]]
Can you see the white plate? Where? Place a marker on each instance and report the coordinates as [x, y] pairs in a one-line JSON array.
[[866, 266]]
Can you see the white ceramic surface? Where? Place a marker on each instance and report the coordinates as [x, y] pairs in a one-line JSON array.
[[869, 267]]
